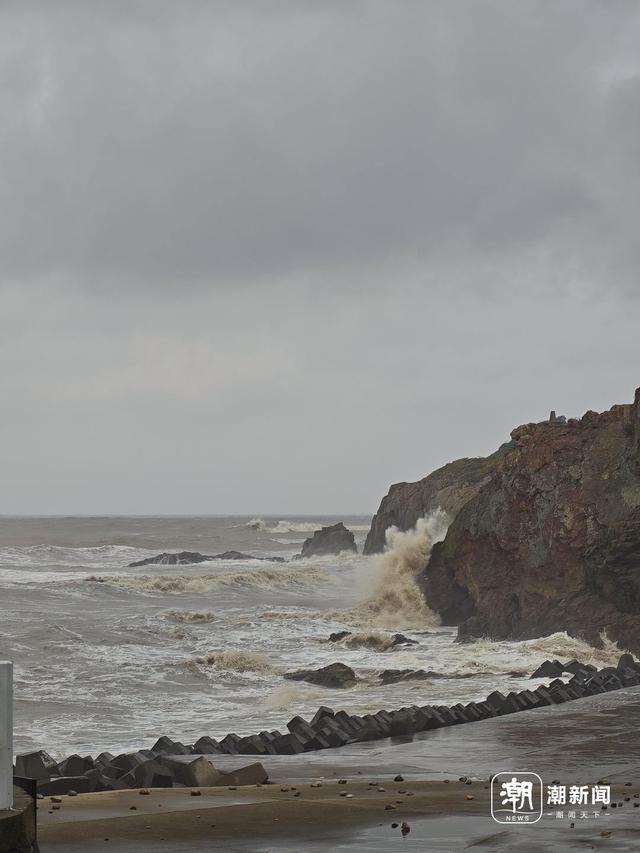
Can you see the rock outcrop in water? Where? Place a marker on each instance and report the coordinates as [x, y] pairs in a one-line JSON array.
[[188, 558], [333, 675], [449, 488], [551, 539], [371, 640], [329, 540]]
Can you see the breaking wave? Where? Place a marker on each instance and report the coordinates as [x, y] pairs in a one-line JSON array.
[[235, 661], [188, 616], [397, 599], [564, 647], [255, 579], [367, 640], [498, 657]]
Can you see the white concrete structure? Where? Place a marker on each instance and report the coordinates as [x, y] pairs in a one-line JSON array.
[[6, 735]]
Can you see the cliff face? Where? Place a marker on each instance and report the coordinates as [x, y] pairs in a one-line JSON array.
[[450, 488], [551, 541]]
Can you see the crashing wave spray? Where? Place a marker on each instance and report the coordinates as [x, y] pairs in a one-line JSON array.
[[397, 600]]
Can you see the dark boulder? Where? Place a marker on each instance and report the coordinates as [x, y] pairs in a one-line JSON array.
[[238, 555], [329, 540], [393, 676], [401, 640], [627, 661], [165, 559], [333, 675], [339, 635]]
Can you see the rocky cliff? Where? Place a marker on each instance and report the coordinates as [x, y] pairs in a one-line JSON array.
[[550, 539], [449, 488]]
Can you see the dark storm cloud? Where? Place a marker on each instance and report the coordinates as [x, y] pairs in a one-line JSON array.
[[202, 142], [273, 256]]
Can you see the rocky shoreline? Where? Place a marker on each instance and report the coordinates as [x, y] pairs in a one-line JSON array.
[[543, 535], [172, 764]]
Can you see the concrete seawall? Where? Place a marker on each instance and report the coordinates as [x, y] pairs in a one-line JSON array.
[[18, 832]]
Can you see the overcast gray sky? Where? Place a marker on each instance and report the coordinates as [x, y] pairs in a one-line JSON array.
[[273, 256]]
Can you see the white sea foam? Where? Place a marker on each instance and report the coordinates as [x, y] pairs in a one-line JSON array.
[[235, 661], [188, 616], [498, 657]]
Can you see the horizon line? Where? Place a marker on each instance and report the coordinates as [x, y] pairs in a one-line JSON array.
[[180, 514]]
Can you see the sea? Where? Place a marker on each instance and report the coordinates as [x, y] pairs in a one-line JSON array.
[[108, 657]]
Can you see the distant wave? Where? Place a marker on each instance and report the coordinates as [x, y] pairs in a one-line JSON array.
[[257, 524], [58, 555], [285, 526], [257, 579]]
